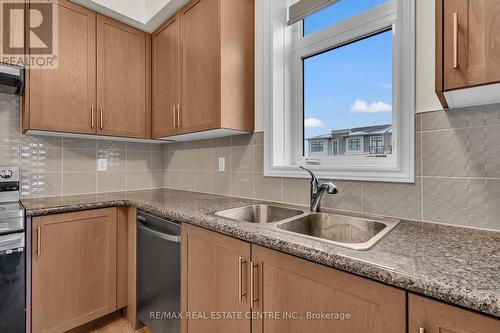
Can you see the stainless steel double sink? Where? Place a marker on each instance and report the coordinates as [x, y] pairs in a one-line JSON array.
[[343, 230]]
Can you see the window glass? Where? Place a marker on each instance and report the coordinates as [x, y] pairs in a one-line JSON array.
[[337, 12], [348, 93]]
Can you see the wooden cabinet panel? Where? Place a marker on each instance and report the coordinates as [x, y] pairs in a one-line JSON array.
[[166, 78], [73, 269], [476, 46], [62, 99], [200, 66], [437, 317], [210, 275], [288, 284], [122, 95]]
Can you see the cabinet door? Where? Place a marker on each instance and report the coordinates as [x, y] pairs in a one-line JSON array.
[[214, 274], [295, 287], [200, 66], [121, 83], [73, 269], [63, 99], [429, 316], [471, 48], [166, 78]]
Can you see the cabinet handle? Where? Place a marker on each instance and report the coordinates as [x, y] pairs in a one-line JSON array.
[[241, 262], [455, 40], [174, 111], [253, 298], [179, 122], [101, 118], [421, 330], [39, 240], [92, 116]]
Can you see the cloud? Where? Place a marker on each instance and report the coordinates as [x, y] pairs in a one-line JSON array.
[[313, 123], [361, 106]]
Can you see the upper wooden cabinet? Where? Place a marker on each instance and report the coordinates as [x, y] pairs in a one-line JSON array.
[[74, 269], [216, 69], [102, 82], [166, 78], [467, 51], [429, 316], [123, 68], [63, 99]]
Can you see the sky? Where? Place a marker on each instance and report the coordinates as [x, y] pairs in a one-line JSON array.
[[349, 86]]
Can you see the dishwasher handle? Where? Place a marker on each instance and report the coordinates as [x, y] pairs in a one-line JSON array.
[[167, 237]]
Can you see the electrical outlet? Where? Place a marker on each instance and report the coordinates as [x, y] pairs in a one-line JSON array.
[[102, 164], [222, 164]]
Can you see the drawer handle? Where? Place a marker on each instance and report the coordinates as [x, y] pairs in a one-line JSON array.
[[101, 117], [179, 122], [241, 262], [421, 330], [175, 120], [253, 268], [39, 240], [455, 40], [92, 116]]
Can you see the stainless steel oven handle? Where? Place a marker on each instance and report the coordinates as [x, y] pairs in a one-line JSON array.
[[170, 238], [14, 241]]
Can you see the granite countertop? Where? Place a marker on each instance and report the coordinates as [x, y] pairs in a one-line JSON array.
[[457, 265]]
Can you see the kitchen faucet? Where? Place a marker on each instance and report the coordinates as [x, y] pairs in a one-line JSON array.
[[318, 190]]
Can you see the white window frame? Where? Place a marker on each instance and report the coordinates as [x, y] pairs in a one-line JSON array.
[[381, 137], [335, 142], [279, 64], [361, 149]]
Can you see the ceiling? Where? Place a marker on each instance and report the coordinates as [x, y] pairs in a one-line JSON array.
[[146, 15]]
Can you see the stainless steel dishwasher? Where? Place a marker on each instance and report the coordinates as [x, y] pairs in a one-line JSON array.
[[158, 273]]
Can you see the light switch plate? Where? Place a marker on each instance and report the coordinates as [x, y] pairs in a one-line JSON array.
[[222, 164], [102, 164]]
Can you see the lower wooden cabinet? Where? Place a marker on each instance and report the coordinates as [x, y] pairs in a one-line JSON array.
[[429, 316], [214, 275], [74, 269], [280, 293]]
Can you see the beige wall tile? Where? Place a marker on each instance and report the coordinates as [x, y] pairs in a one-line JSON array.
[[157, 160], [41, 159], [468, 202], [79, 183], [268, 188], [79, 160], [138, 180], [224, 142], [137, 160], [117, 160], [347, 198], [111, 145], [41, 184], [217, 153], [188, 159], [188, 180], [399, 200], [204, 181], [79, 143], [173, 179], [138, 146], [173, 159], [34, 141], [157, 179], [203, 159], [9, 107], [243, 158], [418, 154], [9, 133], [111, 181], [243, 184], [259, 158], [9, 155], [242, 140], [221, 182], [296, 191]]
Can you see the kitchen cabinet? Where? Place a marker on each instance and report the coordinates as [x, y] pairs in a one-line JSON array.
[[429, 316], [63, 99], [218, 269], [166, 78], [74, 269], [215, 276], [467, 51], [295, 287], [215, 70], [101, 84], [123, 64]]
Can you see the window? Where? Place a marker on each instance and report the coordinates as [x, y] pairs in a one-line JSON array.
[[316, 146], [377, 145], [343, 72]]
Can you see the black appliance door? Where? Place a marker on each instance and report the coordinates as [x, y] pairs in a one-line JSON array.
[[158, 273], [12, 284]]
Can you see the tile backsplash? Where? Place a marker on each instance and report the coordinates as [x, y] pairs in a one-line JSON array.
[[457, 168], [457, 172], [52, 166]]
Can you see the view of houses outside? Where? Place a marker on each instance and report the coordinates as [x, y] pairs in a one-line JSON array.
[[348, 90]]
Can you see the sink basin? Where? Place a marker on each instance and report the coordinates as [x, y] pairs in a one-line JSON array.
[[352, 232], [259, 213]]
